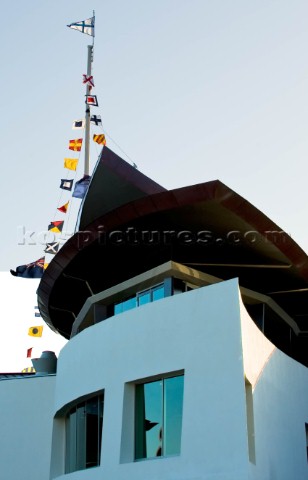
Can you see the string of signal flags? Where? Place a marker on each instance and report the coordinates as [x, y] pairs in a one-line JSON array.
[[36, 269], [35, 331]]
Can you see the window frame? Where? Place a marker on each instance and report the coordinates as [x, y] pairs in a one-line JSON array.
[[77, 424], [138, 295], [306, 435], [138, 432]]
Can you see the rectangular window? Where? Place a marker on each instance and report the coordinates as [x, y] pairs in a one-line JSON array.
[[306, 427], [144, 297], [141, 298], [84, 424], [250, 422], [151, 295], [158, 417]]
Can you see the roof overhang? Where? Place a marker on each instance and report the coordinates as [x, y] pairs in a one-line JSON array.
[[206, 226]]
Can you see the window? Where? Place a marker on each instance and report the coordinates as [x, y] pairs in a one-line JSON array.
[[158, 417], [141, 298], [306, 427], [151, 295], [250, 422], [83, 434]]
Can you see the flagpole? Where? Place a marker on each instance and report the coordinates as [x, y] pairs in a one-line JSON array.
[[88, 115]]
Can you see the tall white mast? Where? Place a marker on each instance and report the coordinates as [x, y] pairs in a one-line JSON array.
[[88, 114], [87, 27]]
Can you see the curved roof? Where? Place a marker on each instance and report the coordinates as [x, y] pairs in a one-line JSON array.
[[207, 226], [114, 182]]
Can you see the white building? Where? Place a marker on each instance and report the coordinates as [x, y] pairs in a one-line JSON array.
[[187, 353]]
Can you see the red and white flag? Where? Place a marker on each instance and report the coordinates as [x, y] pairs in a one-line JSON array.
[[92, 100], [88, 80]]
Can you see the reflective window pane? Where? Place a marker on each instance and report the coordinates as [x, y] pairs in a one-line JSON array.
[[92, 433], [158, 293], [129, 304], [173, 404], [144, 297], [149, 417], [71, 442], [83, 434], [158, 418], [81, 438], [118, 308]]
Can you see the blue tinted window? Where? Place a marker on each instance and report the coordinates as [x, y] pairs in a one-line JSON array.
[[144, 297], [158, 419], [173, 401], [118, 308], [125, 305], [129, 304], [158, 293], [150, 295]]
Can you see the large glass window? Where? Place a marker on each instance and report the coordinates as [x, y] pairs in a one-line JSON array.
[[84, 433], [158, 417], [306, 428], [150, 295], [141, 298]]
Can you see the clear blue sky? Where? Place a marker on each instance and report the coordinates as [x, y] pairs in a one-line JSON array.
[[191, 90]]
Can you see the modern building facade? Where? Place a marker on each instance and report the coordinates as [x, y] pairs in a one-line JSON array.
[[185, 312]]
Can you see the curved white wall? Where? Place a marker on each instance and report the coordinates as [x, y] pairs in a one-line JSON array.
[[208, 334], [199, 332], [280, 401]]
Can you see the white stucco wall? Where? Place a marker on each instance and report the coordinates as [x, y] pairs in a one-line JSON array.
[[26, 408], [208, 334], [280, 402], [199, 332]]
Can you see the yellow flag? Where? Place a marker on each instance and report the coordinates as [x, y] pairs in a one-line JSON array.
[[36, 331], [70, 163]]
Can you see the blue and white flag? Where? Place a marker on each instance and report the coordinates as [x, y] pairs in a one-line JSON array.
[[81, 186], [78, 124], [84, 26], [66, 184], [96, 119]]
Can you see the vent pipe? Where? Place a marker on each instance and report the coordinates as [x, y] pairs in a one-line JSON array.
[[47, 363]]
